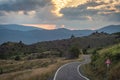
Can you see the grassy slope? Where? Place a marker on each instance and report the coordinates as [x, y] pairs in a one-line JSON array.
[[97, 70], [8, 66]]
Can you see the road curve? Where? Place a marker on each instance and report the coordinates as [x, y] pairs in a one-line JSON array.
[[70, 71]]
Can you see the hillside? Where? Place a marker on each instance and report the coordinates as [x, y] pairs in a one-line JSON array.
[[99, 67], [110, 29], [43, 49]]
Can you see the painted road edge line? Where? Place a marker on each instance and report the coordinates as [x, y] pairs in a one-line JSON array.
[[59, 70], [81, 74]]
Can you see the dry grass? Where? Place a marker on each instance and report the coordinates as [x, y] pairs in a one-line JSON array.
[[9, 66], [42, 73], [88, 73]]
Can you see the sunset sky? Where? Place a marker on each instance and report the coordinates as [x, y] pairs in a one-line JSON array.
[[52, 14]]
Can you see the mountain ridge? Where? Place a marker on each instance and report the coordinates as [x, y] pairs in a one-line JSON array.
[[110, 29], [34, 35], [18, 27]]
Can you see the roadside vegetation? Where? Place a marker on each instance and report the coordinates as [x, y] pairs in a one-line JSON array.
[[98, 70]]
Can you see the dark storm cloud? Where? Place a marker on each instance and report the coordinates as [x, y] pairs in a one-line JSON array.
[[25, 5]]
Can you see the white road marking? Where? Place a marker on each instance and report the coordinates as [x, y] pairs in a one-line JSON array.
[[59, 70], [66, 65], [84, 62], [80, 73]]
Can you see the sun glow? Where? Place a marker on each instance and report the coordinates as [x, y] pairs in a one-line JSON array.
[[44, 26]]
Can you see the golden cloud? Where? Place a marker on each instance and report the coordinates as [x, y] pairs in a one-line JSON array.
[[60, 4], [108, 5]]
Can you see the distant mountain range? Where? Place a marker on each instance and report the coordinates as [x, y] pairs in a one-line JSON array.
[[29, 34], [19, 27]]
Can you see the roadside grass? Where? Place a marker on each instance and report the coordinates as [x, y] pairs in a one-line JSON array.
[[86, 71], [8, 66], [97, 69], [36, 73]]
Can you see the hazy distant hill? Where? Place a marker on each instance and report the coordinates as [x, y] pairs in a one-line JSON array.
[[19, 27], [29, 35], [110, 29]]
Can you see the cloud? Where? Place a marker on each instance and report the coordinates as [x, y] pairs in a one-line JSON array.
[[62, 8], [24, 5], [30, 8], [91, 8], [113, 17], [60, 12], [2, 13], [107, 7], [80, 12], [61, 4]]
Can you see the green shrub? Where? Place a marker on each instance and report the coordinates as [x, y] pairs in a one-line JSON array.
[[73, 52], [17, 58], [1, 71], [98, 66]]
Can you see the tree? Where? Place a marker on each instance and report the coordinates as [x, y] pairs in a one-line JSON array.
[[20, 42], [84, 51], [72, 36], [17, 58], [74, 52], [1, 71]]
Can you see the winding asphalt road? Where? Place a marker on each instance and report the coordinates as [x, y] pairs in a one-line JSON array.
[[70, 71]]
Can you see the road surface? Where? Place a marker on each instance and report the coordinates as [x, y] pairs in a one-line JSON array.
[[70, 71]]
